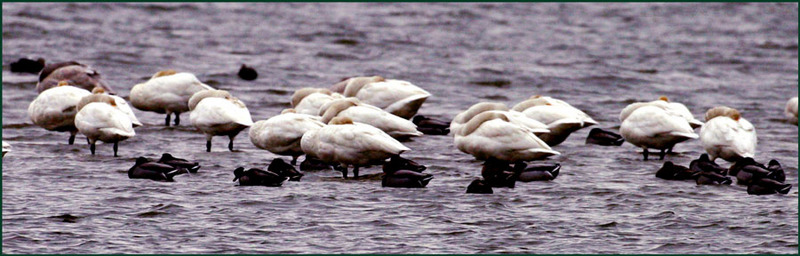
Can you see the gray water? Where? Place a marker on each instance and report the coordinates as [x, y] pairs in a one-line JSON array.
[[57, 198]]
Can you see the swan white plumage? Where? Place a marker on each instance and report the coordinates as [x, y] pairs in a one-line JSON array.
[[310, 100], [357, 111], [493, 136], [401, 98], [167, 92], [98, 95], [673, 108], [538, 128], [104, 122], [219, 116], [54, 109], [560, 117], [281, 134], [6, 148], [652, 127], [727, 135], [347, 143], [74, 73], [791, 110]]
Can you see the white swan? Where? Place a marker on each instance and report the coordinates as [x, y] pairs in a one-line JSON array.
[[310, 100], [727, 135], [673, 108], [281, 134], [55, 109], [104, 122], [791, 110], [515, 117], [219, 116], [357, 111], [98, 95], [167, 92], [347, 143], [6, 148], [652, 127], [493, 136], [398, 97], [560, 117], [76, 74]]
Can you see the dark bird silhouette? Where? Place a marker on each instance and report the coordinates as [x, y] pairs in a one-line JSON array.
[[478, 186], [604, 138], [146, 169], [25, 65], [431, 126], [167, 158], [247, 73]]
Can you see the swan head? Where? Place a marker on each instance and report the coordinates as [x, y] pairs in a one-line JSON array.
[[723, 111], [336, 107], [340, 120], [478, 108], [102, 98], [301, 94], [356, 83], [197, 97], [535, 100], [63, 83], [288, 110], [167, 72], [478, 120], [663, 98], [98, 90]]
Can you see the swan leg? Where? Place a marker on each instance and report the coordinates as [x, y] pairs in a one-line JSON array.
[[177, 118], [72, 137], [91, 147], [166, 121], [661, 155], [355, 171], [230, 144], [208, 145], [116, 146], [669, 150], [342, 169], [294, 159], [645, 153]]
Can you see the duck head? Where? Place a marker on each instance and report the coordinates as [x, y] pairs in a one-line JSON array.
[[238, 173], [397, 163], [284, 169]]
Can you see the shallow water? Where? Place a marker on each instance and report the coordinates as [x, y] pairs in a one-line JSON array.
[[58, 198]]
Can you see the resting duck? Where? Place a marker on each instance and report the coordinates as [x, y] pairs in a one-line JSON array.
[[25, 65], [167, 92], [145, 169], [284, 169], [247, 73], [498, 174], [313, 164], [704, 164], [404, 173], [537, 172], [258, 177], [767, 186], [604, 138], [727, 135], [479, 186], [431, 126], [747, 171], [168, 159], [670, 171], [76, 74]]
